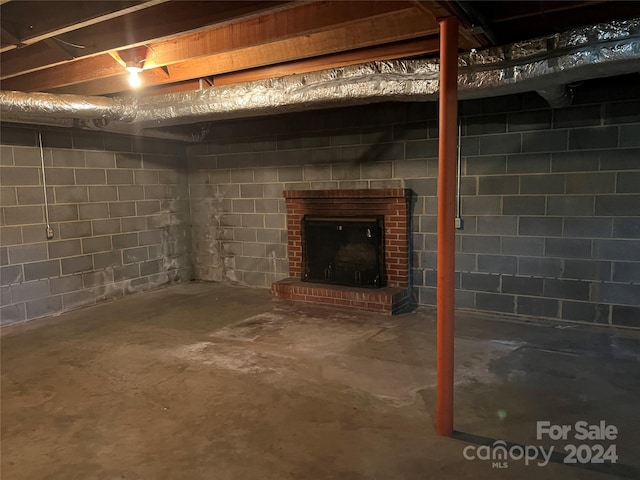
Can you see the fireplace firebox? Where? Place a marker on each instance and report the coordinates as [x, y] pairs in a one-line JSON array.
[[343, 250]]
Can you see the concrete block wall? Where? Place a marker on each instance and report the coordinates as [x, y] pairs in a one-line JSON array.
[[550, 197], [119, 209]]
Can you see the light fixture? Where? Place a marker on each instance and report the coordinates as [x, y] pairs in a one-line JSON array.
[[133, 59], [134, 78]]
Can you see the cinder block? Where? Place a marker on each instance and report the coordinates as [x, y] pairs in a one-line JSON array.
[[497, 264], [252, 191], [125, 240], [128, 160], [590, 183], [500, 144], [528, 246], [617, 293], [104, 227], [146, 177], [630, 135], [43, 307], [151, 268], [78, 299], [316, 172], [553, 183], [10, 235], [76, 264], [497, 185], [626, 227], [83, 140], [585, 312], [485, 124], [566, 289], [628, 182], [104, 260], [60, 176], [150, 237], [580, 116], [504, 225], [6, 156], [621, 112], [269, 144], [250, 220], [103, 194], [90, 211], [326, 155], [486, 205], [480, 282], [131, 192], [100, 159], [567, 248], [522, 285], [135, 224], [19, 176], [540, 267], [524, 205], [345, 172], [155, 192], [134, 255], [626, 272], [75, 229], [23, 215], [120, 177], [572, 206], [615, 249], [587, 161], [593, 137], [495, 302], [11, 274], [8, 196], [529, 120], [122, 209], [90, 176], [71, 194], [617, 205], [529, 163], [485, 165], [4, 256], [587, 270], [68, 158], [540, 226], [12, 313], [409, 169], [625, 316], [587, 227], [96, 244], [270, 205], [25, 291], [63, 213], [66, 284], [376, 169], [27, 253], [27, 156], [126, 272], [419, 149], [544, 141], [538, 307], [31, 195], [278, 221]]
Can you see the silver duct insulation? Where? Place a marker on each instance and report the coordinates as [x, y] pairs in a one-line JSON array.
[[545, 65], [67, 106]]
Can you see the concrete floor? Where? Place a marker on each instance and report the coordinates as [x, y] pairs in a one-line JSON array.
[[202, 381]]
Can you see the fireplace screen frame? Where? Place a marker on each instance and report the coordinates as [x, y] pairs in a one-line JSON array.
[[349, 227]]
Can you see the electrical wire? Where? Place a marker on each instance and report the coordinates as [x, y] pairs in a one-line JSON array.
[[48, 229]]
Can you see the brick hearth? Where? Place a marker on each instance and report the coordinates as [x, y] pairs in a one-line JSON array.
[[393, 205]]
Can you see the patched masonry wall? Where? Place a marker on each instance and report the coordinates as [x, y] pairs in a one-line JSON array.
[[550, 198], [119, 210]]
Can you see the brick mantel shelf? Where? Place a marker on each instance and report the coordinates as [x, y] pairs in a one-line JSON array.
[[393, 205]]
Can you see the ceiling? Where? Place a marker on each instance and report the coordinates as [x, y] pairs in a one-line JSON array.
[[80, 47]]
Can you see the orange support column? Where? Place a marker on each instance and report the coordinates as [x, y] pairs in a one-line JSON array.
[[447, 149]]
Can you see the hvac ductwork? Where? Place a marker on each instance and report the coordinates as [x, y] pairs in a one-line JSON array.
[[545, 65]]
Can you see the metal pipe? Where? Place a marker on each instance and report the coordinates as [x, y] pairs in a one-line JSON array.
[[448, 113], [48, 230]]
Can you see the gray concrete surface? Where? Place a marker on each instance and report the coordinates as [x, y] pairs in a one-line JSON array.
[[203, 381]]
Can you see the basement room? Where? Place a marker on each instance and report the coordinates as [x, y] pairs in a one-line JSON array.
[[325, 239]]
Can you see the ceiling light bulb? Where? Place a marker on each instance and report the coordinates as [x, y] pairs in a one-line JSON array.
[[134, 79]]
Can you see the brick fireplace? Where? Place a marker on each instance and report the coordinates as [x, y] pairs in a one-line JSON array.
[[390, 204]]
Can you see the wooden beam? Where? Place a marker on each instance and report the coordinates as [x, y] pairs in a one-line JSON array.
[[378, 31], [159, 21], [406, 49], [57, 18]]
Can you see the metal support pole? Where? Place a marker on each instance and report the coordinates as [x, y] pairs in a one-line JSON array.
[[446, 221]]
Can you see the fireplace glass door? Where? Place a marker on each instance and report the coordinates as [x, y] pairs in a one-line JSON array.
[[343, 250]]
